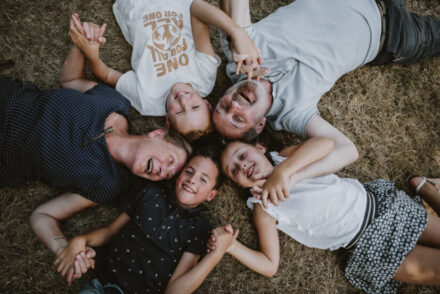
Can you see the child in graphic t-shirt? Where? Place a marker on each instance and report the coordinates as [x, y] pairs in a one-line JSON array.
[[173, 62]]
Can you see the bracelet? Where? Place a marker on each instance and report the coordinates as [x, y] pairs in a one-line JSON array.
[[59, 237]]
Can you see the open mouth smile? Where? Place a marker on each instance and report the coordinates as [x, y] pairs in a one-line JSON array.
[[251, 170], [149, 168], [187, 189]]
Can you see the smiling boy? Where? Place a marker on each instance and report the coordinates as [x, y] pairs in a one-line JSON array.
[[157, 241]]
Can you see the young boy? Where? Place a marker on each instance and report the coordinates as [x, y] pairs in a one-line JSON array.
[[156, 242], [172, 47]]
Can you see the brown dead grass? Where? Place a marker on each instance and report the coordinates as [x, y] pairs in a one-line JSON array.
[[391, 113]]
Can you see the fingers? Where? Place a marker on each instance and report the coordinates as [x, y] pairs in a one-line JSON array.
[[264, 195], [90, 252], [261, 72], [256, 192], [77, 267], [69, 277], [102, 29], [238, 67], [228, 228], [235, 234], [274, 197], [77, 24], [285, 191]]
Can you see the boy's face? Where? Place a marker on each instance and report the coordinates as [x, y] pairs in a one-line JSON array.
[[196, 182], [186, 110], [244, 163]]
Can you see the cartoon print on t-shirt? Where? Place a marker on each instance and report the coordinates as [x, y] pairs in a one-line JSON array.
[[168, 46]]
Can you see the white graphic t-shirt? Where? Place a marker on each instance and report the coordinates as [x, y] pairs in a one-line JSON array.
[[163, 53]]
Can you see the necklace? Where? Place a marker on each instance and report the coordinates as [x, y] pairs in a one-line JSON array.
[[102, 134]]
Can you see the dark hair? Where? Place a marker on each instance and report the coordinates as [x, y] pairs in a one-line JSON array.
[[213, 156]]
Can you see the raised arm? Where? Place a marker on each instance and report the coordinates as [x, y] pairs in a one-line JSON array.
[[265, 260], [90, 48], [73, 74], [245, 50], [189, 274]]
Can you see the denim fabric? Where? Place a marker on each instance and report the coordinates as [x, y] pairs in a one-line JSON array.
[[95, 287], [410, 37]]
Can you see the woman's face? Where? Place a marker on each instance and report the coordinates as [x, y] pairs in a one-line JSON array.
[[245, 164]]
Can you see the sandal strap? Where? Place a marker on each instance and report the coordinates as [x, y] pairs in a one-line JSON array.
[[434, 184], [424, 180]]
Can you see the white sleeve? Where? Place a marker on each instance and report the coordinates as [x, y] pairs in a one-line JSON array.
[[122, 22], [207, 66], [127, 85]]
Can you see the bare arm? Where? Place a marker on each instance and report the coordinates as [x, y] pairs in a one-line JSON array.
[[90, 48], [189, 274], [265, 260], [343, 154], [282, 178], [45, 219], [78, 244], [245, 50], [73, 74]]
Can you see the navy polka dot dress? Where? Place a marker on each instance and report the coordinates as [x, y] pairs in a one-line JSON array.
[[45, 135]]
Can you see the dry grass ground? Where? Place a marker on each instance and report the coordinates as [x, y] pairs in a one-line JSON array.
[[390, 112]]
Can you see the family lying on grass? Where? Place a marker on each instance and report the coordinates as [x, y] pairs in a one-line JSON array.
[[77, 139]]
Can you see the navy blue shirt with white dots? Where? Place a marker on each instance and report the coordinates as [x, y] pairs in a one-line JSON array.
[[142, 257], [44, 135]]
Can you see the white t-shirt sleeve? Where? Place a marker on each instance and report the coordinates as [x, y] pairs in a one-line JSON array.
[[120, 14], [127, 86], [207, 66], [296, 120]]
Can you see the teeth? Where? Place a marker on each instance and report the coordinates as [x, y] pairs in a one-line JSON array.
[[186, 188], [149, 166], [251, 171]]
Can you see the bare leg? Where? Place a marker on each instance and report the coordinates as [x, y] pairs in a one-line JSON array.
[[421, 266], [431, 235], [238, 11], [428, 192]]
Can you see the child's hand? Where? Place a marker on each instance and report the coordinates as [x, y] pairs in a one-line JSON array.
[[78, 34], [64, 261], [276, 187], [83, 261], [222, 239], [246, 54]]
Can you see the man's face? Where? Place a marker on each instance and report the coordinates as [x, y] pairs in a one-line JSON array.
[[196, 182], [242, 107], [158, 159], [186, 110]]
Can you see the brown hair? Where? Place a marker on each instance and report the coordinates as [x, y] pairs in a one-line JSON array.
[[176, 139], [195, 134]]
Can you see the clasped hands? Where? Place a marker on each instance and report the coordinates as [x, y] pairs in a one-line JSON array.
[[74, 260]]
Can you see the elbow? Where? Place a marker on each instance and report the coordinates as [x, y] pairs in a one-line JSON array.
[[351, 152], [270, 271]]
